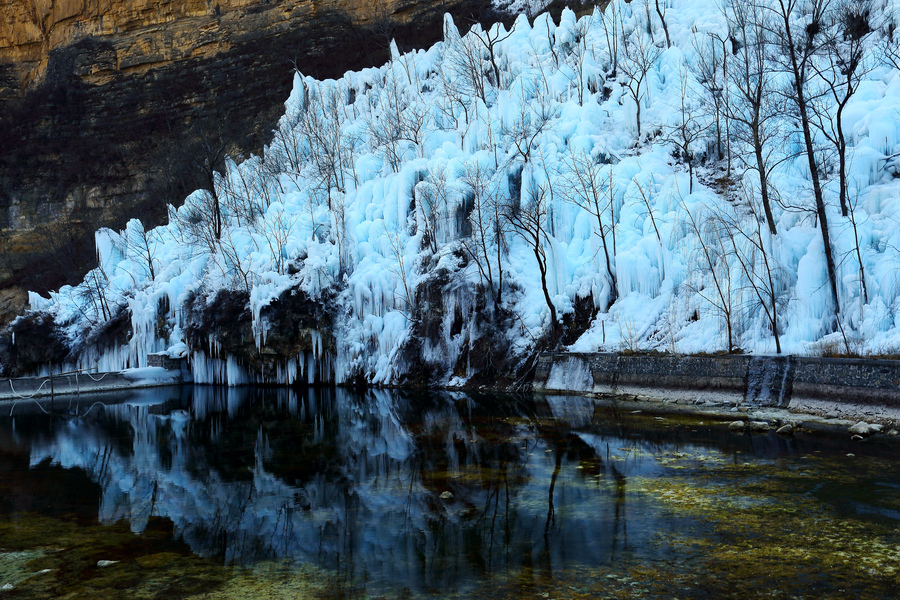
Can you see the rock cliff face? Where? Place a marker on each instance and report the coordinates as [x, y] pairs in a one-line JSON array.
[[103, 104]]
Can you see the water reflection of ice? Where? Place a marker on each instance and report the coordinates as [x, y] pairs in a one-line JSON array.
[[354, 482]]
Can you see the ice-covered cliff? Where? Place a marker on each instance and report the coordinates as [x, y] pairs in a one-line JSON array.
[[589, 183]]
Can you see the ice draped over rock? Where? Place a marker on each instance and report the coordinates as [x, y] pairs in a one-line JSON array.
[[371, 197]]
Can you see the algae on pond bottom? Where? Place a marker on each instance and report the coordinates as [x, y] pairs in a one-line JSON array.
[[14, 566], [769, 525]]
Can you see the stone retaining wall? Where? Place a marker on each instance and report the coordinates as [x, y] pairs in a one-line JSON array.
[[25, 388], [784, 381], [166, 362]]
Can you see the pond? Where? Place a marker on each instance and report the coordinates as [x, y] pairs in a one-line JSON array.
[[210, 492]]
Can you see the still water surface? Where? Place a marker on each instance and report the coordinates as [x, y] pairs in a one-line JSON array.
[[211, 492]]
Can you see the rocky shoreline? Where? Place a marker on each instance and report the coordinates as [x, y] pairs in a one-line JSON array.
[[857, 397], [851, 422]]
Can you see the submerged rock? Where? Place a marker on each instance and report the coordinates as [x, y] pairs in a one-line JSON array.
[[786, 429], [106, 563], [446, 495], [737, 425]]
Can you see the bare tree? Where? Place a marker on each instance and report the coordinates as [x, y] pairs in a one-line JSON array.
[[799, 49], [382, 23], [640, 55], [843, 70], [689, 129], [859, 259], [397, 121], [489, 225], [238, 192], [490, 40], [752, 249], [580, 51], [141, 246], [661, 12], [288, 150], [340, 233], [645, 198], [712, 73], [529, 221], [209, 153], [197, 221], [889, 45], [714, 240], [753, 108], [327, 150], [396, 243], [465, 58], [536, 112], [590, 186], [611, 20], [277, 228], [98, 305]]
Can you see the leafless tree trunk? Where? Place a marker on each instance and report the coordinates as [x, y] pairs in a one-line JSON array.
[[800, 49], [395, 240], [645, 198], [529, 221], [842, 72], [489, 228], [611, 30], [277, 228], [661, 11], [591, 187], [753, 108], [490, 40], [712, 65], [431, 205], [209, 160], [753, 254], [236, 263], [397, 121], [859, 259], [719, 268], [689, 129], [464, 59], [578, 55], [535, 116], [640, 54], [142, 244]]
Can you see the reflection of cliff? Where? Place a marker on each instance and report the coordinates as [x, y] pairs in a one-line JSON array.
[[354, 483], [101, 102]]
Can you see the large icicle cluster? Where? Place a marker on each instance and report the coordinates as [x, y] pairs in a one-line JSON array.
[[501, 172]]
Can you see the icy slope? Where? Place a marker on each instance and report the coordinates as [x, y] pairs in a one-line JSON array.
[[462, 196]]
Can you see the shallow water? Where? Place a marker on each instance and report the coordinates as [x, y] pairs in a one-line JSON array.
[[209, 493]]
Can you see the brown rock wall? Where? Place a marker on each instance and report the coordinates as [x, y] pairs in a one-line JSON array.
[[100, 100]]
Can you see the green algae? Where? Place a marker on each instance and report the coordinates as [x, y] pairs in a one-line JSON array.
[[768, 525], [68, 568], [15, 567]]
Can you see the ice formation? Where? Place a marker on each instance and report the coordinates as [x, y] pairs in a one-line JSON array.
[[422, 174]]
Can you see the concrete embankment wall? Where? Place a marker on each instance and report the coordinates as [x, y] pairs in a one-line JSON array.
[[77, 383], [162, 371], [812, 384]]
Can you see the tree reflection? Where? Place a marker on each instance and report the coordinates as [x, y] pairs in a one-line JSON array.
[[434, 491]]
